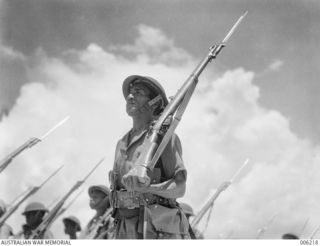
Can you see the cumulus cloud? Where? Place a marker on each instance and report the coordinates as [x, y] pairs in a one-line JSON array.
[[276, 65], [154, 46], [9, 53], [223, 125]]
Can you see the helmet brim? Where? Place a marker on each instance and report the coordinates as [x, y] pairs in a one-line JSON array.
[[150, 83]]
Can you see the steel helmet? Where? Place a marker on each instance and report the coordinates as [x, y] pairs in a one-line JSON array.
[[104, 189], [187, 209], [289, 236], [35, 206], [149, 82]]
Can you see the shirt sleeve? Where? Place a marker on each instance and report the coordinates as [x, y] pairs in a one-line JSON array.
[[172, 159]]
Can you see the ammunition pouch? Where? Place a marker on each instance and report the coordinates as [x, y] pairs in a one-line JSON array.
[[163, 220]]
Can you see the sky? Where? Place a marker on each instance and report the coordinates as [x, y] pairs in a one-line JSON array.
[[257, 100]]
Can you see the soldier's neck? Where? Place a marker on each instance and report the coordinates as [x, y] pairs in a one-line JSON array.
[[101, 212], [73, 235], [141, 122]]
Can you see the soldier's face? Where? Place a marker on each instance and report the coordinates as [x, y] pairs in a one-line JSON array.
[[33, 217], [97, 200], [70, 227], [139, 96]]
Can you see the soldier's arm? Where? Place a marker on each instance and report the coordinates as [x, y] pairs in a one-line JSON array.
[[172, 188]]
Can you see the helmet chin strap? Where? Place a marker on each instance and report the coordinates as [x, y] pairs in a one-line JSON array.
[[149, 104], [101, 201]]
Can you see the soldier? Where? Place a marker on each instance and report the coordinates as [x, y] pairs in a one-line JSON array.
[[34, 212], [5, 229], [145, 100], [71, 226], [187, 209], [99, 201]]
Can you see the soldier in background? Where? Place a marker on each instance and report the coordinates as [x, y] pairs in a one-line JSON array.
[[5, 229], [71, 226], [34, 213], [187, 209], [99, 201]]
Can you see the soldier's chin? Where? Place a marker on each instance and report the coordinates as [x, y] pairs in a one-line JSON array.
[[132, 110]]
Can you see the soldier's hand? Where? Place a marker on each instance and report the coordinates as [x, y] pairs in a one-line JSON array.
[[136, 178]]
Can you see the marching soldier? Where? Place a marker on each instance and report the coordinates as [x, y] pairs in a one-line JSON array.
[[187, 209], [5, 229], [145, 100], [98, 227], [34, 213], [71, 226]]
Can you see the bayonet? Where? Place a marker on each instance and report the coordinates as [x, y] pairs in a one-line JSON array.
[[30, 143], [266, 227], [223, 186], [314, 232]]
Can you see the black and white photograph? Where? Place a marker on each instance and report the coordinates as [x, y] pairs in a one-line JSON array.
[[160, 119]]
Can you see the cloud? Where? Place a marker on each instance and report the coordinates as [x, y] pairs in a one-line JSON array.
[[9, 53], [223, 125], [154, 46], [276, 65]]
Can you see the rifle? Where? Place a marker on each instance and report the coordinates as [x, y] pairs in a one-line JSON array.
[[102, 220], [63, 209], [223, 186], [303, 227], [49, 219], [266, 227], [30, 143], [161, 132], [11, 204], [315, 232], [69, 204], [29, 193]]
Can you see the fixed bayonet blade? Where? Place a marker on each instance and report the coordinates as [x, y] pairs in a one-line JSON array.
[[95, 167], [54, 173], [54, 128], [234, 27], [239, 170]]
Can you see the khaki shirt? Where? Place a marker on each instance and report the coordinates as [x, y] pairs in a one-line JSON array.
[[167, 167], [103, 232]]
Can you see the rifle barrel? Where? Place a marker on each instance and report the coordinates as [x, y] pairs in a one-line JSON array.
[[30, 143]]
